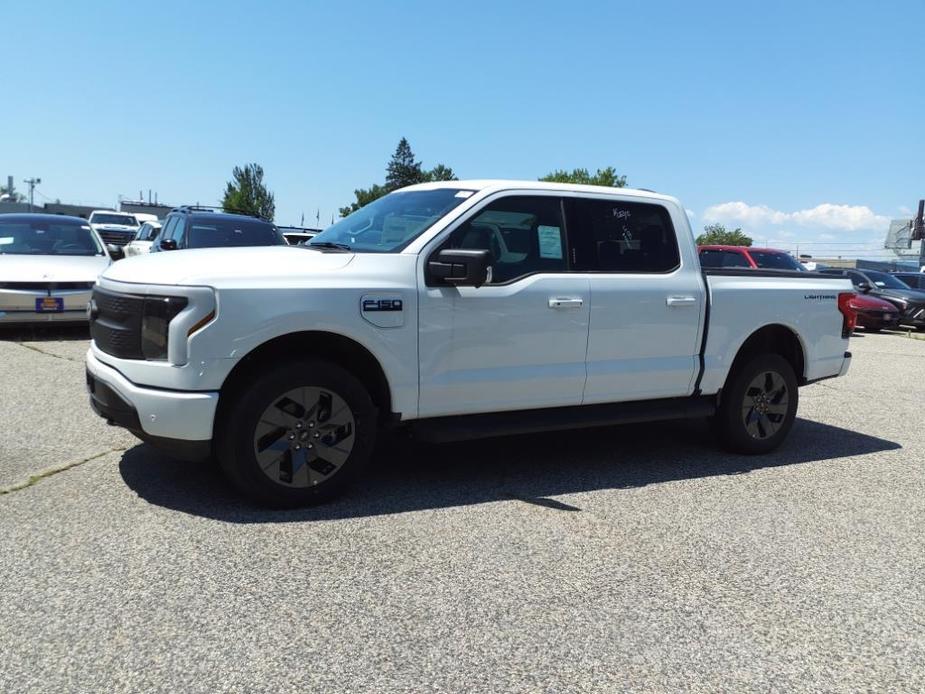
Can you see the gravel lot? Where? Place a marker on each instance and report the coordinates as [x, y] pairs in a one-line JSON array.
[[636, 557]]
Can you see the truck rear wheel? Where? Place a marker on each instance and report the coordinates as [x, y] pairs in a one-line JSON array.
[[758, 406], [298, 435]]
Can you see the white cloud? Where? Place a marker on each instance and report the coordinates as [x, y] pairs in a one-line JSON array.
[[824, 216]]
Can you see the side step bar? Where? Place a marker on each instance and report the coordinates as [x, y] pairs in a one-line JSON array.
[[476, 426]]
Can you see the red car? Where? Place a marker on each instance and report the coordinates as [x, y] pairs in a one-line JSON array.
[[874, 314], [748, 257]]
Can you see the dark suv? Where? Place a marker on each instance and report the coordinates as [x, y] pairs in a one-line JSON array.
[[910, 302], [201, 227], [916, 280]]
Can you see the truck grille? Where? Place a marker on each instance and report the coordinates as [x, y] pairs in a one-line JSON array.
[[115, 323], [117, 237], [916, 313]]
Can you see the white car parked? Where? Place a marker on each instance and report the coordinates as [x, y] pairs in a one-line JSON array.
[[141, 244], [48, 266], [454, 310]]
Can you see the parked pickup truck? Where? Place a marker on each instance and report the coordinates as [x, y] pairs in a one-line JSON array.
[[453, 310]]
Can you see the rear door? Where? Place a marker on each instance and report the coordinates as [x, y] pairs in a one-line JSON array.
[[647, 305], [519, 341]]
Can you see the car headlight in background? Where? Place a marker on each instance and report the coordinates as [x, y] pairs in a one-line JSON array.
[[157, 313]]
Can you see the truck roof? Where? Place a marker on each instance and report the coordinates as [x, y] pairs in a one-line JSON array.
[[491, 185]]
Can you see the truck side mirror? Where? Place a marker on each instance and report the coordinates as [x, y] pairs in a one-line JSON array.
[[460, 267], [115, 252], [863, 287], [168, 245]]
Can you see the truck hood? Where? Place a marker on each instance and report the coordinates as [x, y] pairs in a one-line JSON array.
[[51, 268], [233, 267], [910, 295]]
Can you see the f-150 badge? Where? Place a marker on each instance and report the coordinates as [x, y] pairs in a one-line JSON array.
[[383, 310]]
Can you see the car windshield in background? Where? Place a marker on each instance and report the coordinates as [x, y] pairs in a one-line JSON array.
[[392, 222], [776, 261], [124, 219], [883, 280], [47, 238], [210, 233]]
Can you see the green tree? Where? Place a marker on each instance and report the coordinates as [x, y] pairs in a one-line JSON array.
[[402, 170], [719, 235], [441, 173], [14, 195], [603, 177], [246, 192]]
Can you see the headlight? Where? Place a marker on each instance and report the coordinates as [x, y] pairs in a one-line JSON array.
[[157, 313]]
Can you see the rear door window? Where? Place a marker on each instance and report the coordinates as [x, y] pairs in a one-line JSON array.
[[609, 235]]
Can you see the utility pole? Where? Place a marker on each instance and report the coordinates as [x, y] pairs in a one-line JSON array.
[[32, 183]]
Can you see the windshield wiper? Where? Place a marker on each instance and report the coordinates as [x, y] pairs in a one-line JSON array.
[[332, 245]]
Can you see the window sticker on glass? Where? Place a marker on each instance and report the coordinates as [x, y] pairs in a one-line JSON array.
[[464, 193], [550, 240]]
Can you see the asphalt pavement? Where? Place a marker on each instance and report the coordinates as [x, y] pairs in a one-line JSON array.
[[629, 558]]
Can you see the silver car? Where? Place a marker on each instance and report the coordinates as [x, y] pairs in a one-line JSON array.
[[48, 266]]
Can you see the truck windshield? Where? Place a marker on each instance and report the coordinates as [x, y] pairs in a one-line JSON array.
[[777, 261], [883, 280], [47, 238], [391, 222]]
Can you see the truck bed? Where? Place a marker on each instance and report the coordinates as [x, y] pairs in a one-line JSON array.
[[741, 301]]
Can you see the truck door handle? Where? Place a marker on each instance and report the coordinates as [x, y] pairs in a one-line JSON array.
[[681, 300], [565, 302]]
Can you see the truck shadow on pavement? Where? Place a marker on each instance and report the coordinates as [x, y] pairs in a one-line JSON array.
[[412, 477], [44, 332]]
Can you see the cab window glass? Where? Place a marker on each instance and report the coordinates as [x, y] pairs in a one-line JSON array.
[[619, 236], [712, 257], [733, 259], [523, 234]]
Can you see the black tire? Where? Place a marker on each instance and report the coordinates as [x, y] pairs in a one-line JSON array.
[[758, 405], [293, 406]]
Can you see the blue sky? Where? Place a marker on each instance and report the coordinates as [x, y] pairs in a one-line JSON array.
[[798, 121]]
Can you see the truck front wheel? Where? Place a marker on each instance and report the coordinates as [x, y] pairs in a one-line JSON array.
[[758, 405], [298, 435]]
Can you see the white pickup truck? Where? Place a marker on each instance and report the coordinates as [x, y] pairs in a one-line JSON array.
[[453, 310]]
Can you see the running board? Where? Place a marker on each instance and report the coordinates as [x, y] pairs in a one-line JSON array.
[[476, 426]]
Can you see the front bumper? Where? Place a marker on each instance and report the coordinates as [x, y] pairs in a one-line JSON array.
[[17, 306], [877, 320], [171, 419], [913, 316]]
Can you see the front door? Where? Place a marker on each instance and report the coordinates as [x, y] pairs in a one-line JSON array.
[[519, 341]]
